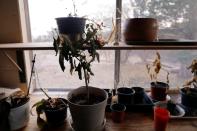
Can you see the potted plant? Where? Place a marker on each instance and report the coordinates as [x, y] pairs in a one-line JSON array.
[[72, 25], [87, 104], [158, 89], [189, 91], [55, 110], [19, 110]]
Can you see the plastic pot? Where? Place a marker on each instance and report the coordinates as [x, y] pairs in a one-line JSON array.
[[125, 95], [19, 116], [159, 90], [189, 98], [118, 112], [56, 117], [71, 25], [87, 117], [141, 29], [139, 94]]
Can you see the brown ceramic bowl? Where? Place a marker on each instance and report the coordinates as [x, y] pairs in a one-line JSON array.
[[141, 29]]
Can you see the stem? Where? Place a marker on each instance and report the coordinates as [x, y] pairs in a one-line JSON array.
[[32, 70], [86, 83], [45, 93], [75, 13]]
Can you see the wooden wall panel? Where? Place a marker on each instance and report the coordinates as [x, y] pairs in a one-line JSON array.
[[10, 32]]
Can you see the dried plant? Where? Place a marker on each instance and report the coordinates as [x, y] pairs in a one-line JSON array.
[[154, 68]]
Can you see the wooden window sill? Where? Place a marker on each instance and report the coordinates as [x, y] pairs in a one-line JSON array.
[[132, 122]]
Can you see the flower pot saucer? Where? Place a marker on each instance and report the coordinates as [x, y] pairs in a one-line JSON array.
[[180, 112], [167, 97], [101, 128]]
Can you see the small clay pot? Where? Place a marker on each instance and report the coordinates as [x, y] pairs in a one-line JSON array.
[[139, 95], [118, 112], [141, 29], [189, 97], [159, 91], [125, 95]]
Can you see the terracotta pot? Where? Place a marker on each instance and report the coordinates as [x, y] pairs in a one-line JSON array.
[[141, 29], [159, 90], [118, 112]]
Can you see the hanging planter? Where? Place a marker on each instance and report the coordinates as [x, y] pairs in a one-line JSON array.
[[71, 25]]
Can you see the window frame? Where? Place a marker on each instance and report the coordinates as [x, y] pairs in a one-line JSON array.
[[117, 41]]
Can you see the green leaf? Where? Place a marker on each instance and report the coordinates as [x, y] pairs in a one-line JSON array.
[[55, 45], [61, 60], [97, 56], [78, 69], [71, 65], [41, 123], [39, 107]]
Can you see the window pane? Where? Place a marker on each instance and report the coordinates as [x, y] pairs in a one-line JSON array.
[[44, 12], [42, 20], [133, 70], [50, 75], [176, 17]]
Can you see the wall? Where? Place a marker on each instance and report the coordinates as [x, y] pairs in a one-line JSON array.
[[10, 33]]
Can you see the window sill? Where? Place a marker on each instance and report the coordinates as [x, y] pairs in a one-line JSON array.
[[133, 121], [161, 45]]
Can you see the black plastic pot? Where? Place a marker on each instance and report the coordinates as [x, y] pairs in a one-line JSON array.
[[71, 25], [56, 117], [125, 95], [159, 90], [139, 94], [189, 98]]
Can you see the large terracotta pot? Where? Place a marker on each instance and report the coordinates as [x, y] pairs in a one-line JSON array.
[[141, 29]]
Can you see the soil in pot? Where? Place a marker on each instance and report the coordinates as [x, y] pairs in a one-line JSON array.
[[125, 95], [159, 91], [56, 112], [189, 97], [81, 99], [139, 95]]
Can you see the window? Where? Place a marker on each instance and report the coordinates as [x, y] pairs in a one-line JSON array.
[[176, 22], [42, 19]]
